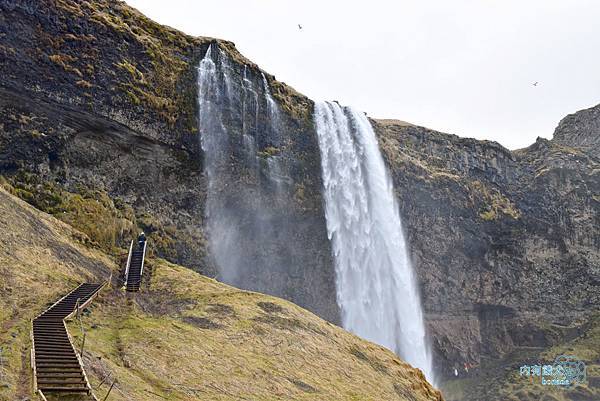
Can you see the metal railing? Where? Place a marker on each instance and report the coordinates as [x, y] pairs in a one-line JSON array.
[[128, 262], [143, 257], [126, 277]]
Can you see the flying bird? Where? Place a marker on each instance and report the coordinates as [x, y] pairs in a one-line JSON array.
[[535, 83], [299, 26]]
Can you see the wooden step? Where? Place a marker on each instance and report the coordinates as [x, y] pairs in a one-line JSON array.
[[55, 357], [42, 342], [44, 348], [58, 363], [59, 355], [60, 374], [57, 366], [51, 389], [80, 380], [58, 369]]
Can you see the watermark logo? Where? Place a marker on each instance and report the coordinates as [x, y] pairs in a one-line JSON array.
[[566, 371]]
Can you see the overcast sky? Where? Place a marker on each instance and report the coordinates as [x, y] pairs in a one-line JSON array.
[[464, 67]]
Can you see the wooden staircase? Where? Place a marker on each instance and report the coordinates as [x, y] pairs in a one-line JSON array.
[[135, 267], [57, 368]]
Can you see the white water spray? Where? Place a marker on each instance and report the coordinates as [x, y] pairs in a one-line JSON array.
[[375, 282], [237, 115]]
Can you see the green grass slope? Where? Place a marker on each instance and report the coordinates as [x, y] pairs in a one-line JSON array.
[[185, 336]]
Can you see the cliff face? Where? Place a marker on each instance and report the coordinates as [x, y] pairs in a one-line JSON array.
[[581, 130], [506, 244], [99, 127], [96, 100], [98, 109]]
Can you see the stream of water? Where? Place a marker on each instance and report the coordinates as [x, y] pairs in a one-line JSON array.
[[375, 281]]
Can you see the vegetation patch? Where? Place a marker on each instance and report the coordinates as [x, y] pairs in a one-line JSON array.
[[270, 307], [65, 61], [378, 366], [269, 151], [92, 212], [495, 204], [158, 82], [281, 323], [220, 310], [201, 322], [403, 392], [84, 84], [106, 222], [307, 388]]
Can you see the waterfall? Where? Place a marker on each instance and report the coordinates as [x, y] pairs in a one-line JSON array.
[[239, 130], [249, 189], [375, 282], [274, 117], [215, 96], [274, 114]]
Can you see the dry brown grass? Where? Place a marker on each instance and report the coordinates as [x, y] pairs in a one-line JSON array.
[[190, 337], [187, 337], [40, 259]]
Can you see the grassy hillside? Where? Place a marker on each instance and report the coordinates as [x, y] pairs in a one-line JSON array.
[[184, 337], [40, 259]]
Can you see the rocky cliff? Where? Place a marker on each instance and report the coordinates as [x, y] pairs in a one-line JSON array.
[[98, 110], [99, 127], [506, 243], [84, 84], [580, 130]]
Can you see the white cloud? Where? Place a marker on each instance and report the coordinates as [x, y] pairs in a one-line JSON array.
[[462, 66]]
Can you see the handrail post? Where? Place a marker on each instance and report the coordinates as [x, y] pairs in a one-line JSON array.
[[128, 262], [110, 389], [82, 345], [77, 308], [142, 267], [33, 367]]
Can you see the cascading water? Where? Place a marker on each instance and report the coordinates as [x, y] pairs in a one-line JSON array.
[[238, 123], [274, 117], [375, 281], [215, 96], [250, 238]]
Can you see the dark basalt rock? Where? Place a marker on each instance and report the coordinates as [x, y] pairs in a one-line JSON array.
[[99, 127], [505, 243], [580, 130]]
